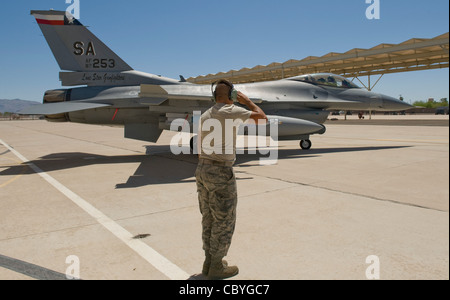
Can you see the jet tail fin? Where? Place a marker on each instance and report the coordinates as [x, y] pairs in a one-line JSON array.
[[74, 46]]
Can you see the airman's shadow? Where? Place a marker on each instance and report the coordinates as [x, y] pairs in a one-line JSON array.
[[160, 166]]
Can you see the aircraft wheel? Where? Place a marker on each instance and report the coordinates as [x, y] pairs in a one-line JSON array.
[[193, 142], [305, 144]]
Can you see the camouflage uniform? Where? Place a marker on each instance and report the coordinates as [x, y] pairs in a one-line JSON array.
[[217, 195], [216, 182]]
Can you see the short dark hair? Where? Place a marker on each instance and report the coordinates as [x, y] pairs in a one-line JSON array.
[[223, 82]]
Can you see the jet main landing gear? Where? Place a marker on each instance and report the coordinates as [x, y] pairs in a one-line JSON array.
[[193, 143]]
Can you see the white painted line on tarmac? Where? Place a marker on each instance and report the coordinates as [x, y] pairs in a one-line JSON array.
[[158, 261]]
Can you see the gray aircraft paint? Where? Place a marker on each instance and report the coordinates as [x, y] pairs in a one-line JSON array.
[[115, 94]]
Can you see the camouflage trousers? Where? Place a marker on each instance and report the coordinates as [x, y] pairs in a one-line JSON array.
[[217, 195]]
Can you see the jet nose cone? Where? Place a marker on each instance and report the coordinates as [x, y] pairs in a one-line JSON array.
[[392, 104]]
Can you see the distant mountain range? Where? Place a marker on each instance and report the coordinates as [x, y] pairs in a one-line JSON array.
[[14, 105]]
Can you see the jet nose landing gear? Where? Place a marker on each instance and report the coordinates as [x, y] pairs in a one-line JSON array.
[[305, 144]]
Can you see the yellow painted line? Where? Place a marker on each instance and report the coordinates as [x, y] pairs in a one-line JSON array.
[[15, 177]]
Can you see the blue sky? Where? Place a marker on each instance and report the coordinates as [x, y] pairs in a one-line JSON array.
[[198, 37]]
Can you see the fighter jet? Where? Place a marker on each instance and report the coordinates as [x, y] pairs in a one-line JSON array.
[[105, 90]]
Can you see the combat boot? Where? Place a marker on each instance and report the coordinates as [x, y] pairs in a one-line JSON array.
[[219, 269], [206, 264]]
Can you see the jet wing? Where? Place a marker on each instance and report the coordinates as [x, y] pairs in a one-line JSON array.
[[184, 92], [59, 107], [156, 94]]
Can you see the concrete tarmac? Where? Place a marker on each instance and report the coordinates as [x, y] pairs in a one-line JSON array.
[[366, 200]]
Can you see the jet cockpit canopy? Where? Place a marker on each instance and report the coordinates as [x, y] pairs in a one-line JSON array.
[[326, 79]]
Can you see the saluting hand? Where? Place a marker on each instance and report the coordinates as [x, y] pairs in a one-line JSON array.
[[257, 113], [243, 99]]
